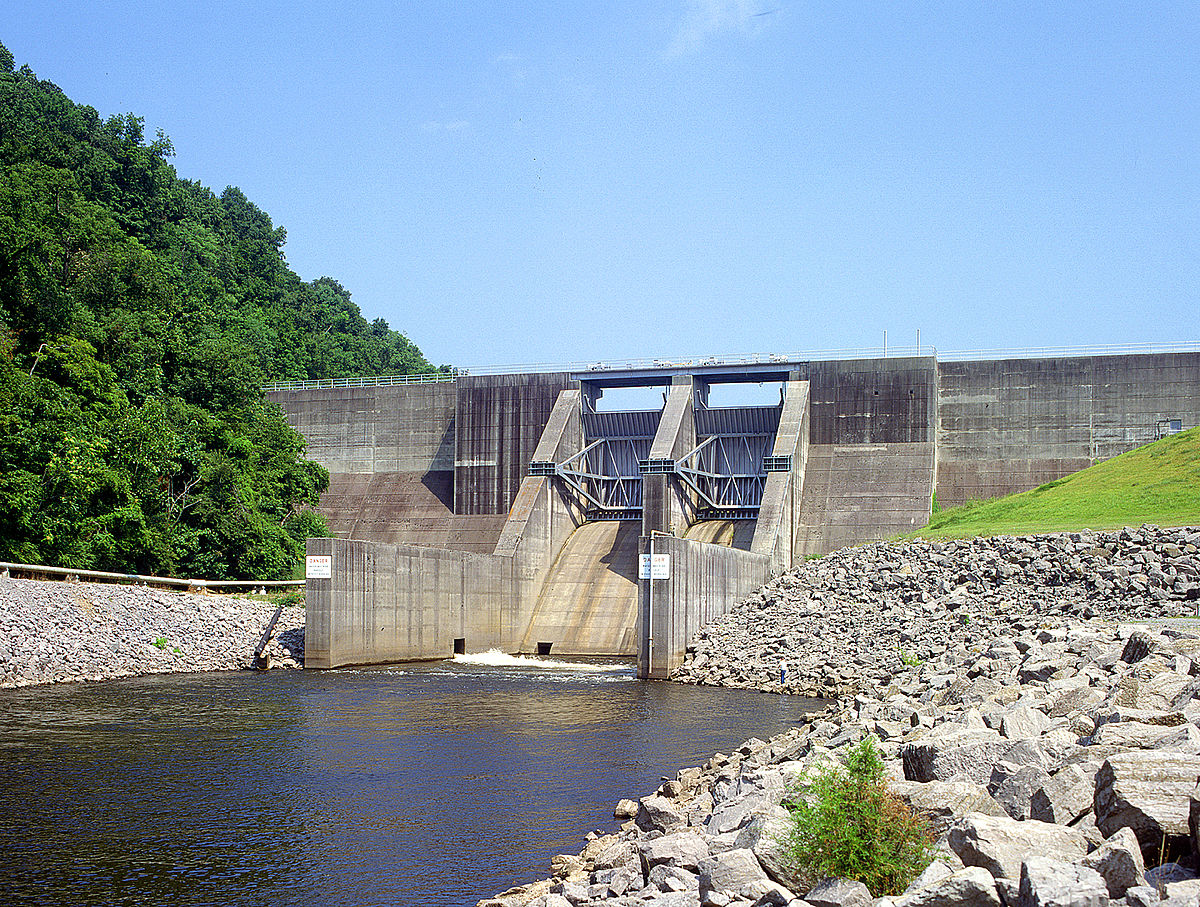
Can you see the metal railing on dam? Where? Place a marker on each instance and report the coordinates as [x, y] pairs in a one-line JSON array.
[[791, 356], [370, 381]]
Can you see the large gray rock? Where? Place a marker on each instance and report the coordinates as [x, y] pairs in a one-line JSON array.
[[1013, 787], [1000, 844], [1053, 883], [729, 871], [972, 886], [657, 813], [731, 814], [770, 847], [684, 849], [966, 754], [1119, 861], [1147, 791], [1066, 796], [672, 878], [838, 893], [1133, 734], [1194, 822], [1023, 721], [616, 854], [942, 801]]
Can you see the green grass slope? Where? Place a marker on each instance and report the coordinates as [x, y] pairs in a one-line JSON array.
[[1158, 483]]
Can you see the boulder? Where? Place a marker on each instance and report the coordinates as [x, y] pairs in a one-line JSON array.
[[972, 886], [625, 809], [770, 848], [1013, 787], [1132, 734], [656, 813], [839, 893], [1053, 883], [1119, 861], [955, 755], [672, 878], [1023, 721], [684, 849], [616, 855], [941, 801], [1147, 791], [729, 871], [1194, 822], [1001, 844], [1066, 796], [731, 814]]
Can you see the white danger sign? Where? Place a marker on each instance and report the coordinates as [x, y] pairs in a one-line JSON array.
[[654, 566], [318, 566]]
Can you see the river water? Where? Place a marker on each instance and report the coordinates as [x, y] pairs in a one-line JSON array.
[[436, 784]]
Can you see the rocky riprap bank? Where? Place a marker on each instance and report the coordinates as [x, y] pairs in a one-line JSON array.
[[1019, 700], [57, 632], [859, 617]]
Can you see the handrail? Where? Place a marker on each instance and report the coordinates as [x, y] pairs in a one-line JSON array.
[[782, 358], [147, 580], [367, 381]]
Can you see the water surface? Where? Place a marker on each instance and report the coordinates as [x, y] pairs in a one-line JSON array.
[[436, 784]]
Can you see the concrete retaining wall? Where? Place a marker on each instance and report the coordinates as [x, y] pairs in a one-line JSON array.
[[1013, 424], [856, 493], [705, 582], [872, 401], [388, 603]]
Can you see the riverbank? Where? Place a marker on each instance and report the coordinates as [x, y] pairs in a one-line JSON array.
[[1019, 700], [62, 632]]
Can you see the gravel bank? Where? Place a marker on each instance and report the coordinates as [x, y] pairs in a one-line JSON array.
[[59, 632], [1018, 698]]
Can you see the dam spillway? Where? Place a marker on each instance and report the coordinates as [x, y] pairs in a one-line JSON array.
[[470, 513]]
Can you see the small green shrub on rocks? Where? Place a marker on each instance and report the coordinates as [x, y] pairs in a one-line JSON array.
[[847, 824]]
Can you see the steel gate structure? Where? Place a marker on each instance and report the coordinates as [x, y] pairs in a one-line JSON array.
[[726, 471]]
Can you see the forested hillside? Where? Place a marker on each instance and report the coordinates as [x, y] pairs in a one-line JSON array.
[[140, 314]]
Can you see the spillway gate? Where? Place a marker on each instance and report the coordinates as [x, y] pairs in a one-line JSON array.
[[725, 471]]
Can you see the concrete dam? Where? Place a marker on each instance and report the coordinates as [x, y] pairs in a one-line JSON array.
[[514, 511]]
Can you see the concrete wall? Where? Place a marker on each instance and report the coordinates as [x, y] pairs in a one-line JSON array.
[[406, 428], [873, 401], [543, 516], [498, 422], [388, 603], [1013, 424], [857, 493], [705, 582]]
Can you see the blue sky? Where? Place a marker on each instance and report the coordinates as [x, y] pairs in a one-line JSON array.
[[523, 182]]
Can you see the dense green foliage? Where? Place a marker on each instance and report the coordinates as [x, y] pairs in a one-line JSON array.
[[1158, 483], [140, 314], [847, 824]]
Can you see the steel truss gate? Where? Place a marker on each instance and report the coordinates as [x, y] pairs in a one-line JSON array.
[[726, 470]]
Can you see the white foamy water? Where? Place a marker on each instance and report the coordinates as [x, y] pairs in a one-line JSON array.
[[494, 658]]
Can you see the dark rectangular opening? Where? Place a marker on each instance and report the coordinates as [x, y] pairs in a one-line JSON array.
[[460, 646], [544, 648]]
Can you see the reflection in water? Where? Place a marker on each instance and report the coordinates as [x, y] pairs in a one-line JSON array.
[[431, 784]]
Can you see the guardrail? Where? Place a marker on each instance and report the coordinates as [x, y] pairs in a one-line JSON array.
[[137, 578], [371, 381], [668, 362], [1052, 352]]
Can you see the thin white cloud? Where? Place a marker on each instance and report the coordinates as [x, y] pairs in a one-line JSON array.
[[704, 19]]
